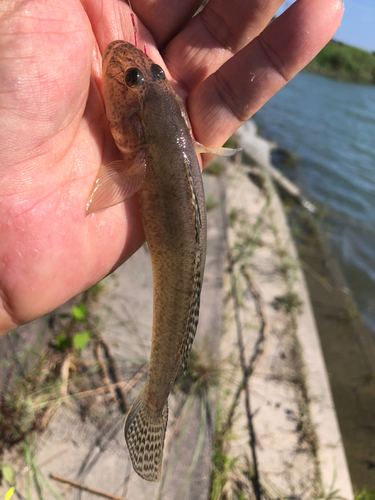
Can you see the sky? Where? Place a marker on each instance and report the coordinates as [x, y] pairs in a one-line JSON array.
[[357, 26]]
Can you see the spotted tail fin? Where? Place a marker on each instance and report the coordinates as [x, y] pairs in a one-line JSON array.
[[144, 435]]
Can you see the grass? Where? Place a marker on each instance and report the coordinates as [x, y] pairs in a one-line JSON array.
[[204, 369], [34, 474], [247, 160], [17, 418], [231, 143], [344, 62], [288, 267], [35, 479], [35, 383], [211, 203], [351, 312], [246, 241], [27, 406], [223, 466], [215, 167], [365, 495], [203, 372], [228, 479], [290, 303]]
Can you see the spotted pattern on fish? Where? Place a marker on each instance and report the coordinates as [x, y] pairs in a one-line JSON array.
[[192, 322], [194, 201], [144, 433], [198, 222]]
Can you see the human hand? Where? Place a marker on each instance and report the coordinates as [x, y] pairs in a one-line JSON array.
[[54, 134]]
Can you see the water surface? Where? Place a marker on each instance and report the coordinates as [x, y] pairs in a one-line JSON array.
[[330, 125]]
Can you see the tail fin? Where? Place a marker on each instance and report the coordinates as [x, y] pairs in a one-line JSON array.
[[144, 435]]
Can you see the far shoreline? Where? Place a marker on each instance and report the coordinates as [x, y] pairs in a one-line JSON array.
[[345, 63]]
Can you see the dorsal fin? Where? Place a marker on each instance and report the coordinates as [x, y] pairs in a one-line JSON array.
[[192, 323]]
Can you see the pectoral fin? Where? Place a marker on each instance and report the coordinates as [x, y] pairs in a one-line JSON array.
[[199, 148], [117, 181]]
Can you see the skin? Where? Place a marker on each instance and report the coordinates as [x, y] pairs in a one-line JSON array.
[[225, 63]]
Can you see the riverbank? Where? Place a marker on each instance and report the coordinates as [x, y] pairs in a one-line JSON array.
[[331, 138], [348, 345], [343, 62]]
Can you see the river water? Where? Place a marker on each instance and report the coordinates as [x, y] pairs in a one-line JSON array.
[[330, 126]]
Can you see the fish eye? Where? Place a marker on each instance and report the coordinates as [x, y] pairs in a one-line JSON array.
[[133, 77], [157, 72]]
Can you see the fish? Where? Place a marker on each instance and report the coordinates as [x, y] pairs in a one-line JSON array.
[[159, 163]]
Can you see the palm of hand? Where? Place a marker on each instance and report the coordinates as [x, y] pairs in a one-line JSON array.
[[54, 134]]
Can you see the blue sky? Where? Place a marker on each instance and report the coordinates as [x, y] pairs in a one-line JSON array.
[[358, 24]]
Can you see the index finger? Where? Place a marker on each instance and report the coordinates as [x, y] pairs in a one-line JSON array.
[[216, 34], [231, 95], [165, 18]]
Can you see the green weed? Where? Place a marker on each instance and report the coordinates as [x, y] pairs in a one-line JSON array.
[[78, 340], [8, 474], [95, 290], [39, 479], [211, 203], [203, 372], [27, 401], [365, 495], [215, 167], [351, 312], [247, 160], [79, 312], [231, 143], [290, 303], [233, 216]]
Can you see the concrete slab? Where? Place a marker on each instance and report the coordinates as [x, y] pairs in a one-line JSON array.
[[331, 460]]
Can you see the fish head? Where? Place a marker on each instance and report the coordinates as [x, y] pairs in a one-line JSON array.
[[130, 79]]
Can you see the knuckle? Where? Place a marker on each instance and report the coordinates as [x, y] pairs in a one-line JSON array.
[[273, 58]]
